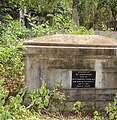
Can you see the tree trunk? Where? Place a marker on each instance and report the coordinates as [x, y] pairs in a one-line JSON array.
[[114, 19], [21, 16], [75, 16]]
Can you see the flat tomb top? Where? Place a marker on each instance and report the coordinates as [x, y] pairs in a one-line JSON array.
[[72, 40]]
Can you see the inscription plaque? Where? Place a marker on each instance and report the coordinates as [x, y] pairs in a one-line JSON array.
[[83, 79]]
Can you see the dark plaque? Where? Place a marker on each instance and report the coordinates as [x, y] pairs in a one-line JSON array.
[[83, 79]]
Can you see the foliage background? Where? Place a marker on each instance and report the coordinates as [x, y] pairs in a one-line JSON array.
[[92, 14], [96, 14]]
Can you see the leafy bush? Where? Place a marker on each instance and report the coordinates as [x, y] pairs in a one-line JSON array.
[[77, 107], [110, 112], [11, 61], [12, 34], [63, 24], [60, 24], [97, 116], [58, 99], [26, 104], [39, 98], [111, 109], [4, 113]]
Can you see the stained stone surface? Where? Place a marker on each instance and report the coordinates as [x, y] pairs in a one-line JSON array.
[[53, 58], [72, 40]]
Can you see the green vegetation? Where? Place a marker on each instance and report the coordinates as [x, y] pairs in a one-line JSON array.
[[43, 103], [25, 105], [96, 14], [110, 112], [15, 101], [12, 35]]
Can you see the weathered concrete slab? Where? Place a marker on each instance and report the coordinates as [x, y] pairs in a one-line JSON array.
[[72, 40], [54, 58]]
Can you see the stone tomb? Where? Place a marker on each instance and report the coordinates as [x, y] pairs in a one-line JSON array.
[[85, 65]]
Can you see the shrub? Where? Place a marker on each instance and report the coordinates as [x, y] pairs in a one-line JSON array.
[[110, 112], [77, 107], [11, 61], [39, 98], [26, 104], [111, 109], [97, 116], [12, 34], [4, 113]]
